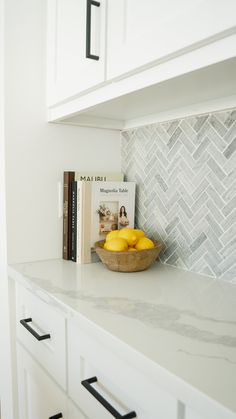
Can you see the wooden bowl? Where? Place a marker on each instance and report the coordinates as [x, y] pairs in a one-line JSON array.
[[128, 261]]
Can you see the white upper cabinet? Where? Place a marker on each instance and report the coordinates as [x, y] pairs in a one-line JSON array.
[[76, 43], [152, 31], [149, 50]]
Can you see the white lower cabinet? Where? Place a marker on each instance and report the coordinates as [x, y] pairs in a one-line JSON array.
[[39, 396], [83, 373], [102, 384], [73, 412]]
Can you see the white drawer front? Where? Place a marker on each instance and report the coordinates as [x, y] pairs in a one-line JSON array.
[[46, 320], [121, 385]]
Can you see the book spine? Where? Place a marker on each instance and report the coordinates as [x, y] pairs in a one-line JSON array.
[[65, 251], [71, 179], [79, 223], [86, 220], [73, 220]]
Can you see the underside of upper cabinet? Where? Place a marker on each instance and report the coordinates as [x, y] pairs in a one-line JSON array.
[[209, 89]]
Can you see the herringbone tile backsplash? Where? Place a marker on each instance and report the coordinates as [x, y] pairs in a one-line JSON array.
[[185, 171]]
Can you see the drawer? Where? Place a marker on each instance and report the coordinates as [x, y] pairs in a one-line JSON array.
[[121, 385], [41, 329]]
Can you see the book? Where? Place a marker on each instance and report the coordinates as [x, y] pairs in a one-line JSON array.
[[67, 182], [68, 178], [73, 220], [101, 208]]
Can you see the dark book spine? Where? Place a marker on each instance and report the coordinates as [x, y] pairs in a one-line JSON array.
[[73, 220], [71, 179], [65, 251]]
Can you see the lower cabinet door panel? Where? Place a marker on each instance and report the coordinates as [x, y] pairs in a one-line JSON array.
[[121, 386], [191, 414], [39, 396], [74, 412]]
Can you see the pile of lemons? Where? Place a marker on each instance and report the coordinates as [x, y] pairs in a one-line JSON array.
[[127, 239]]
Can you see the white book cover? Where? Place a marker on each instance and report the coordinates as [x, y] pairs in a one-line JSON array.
[[105, 206], [99, 176]]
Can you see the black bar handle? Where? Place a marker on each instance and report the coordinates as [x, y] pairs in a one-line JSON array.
[[87, 384], [25, 322], [90, 3], [57, 416]]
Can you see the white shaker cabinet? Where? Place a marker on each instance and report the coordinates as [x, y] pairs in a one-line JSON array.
[[148, 52], [141, 32], [75, 42], [39, 396]]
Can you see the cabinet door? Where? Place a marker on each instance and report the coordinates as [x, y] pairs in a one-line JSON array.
[[74, 412], [141, 32], [39, 396], [69, 71]]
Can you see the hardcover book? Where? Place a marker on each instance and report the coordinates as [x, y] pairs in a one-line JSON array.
[[69, 251], [101, 208]]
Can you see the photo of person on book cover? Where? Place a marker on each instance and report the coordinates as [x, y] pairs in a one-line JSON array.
[[108, 217], [123, 219]]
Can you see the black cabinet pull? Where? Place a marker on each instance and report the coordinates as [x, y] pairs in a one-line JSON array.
[[25, 322], [90, 3], [57, 416], [87, 384]]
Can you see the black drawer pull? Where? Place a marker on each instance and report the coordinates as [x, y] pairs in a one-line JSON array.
[[90, 3], [87, 384], [25, 322], [57, 416]]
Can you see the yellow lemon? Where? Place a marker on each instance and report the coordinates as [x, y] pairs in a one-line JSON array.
[[144, 243], [118, 244], [139, 233], [112, 235], [129, 235], [132, 249]]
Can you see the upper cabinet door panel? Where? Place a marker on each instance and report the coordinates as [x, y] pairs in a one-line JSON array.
[[70, 72], [141, 32]]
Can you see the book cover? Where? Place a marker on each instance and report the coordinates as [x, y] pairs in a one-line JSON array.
[[68, 178], [104, 206]]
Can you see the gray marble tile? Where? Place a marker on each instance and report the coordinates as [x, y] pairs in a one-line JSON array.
[[197, 243], [216, 169], [186, 175], [216, 124], [230, 149], [201, 148]]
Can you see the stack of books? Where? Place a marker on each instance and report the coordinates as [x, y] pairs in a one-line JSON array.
[[94, 205]]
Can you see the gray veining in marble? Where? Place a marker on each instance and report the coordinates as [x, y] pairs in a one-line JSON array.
[[158, 316]]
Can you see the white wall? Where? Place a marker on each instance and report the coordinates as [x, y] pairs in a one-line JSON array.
[[6, 386], [38, 152]]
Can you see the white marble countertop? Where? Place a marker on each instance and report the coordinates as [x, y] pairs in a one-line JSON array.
[[184, 322]]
